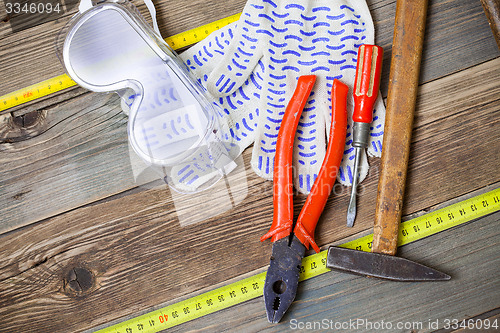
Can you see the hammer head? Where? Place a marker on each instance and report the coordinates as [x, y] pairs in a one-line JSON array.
[[381, 266]]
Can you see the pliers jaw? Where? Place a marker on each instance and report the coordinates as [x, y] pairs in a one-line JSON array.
[[283, 276]]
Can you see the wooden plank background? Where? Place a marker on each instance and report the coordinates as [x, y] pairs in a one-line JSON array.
[[340, 298], [69, 200]]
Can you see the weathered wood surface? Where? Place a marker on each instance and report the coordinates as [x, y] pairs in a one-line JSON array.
[[138, 253], [92, 184], [57, 169], [70, 188], [83, 156], [457, 37], [342, 299]]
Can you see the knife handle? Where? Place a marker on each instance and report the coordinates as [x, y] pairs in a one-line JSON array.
[[403, 85]]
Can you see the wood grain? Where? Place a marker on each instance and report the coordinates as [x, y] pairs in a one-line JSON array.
[[82, 149], [29, 57], [401, 99], [343, 298], [138, 253], [87, 245]]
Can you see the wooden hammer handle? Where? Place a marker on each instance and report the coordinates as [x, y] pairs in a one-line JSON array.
[[403, 84], [492, 11]]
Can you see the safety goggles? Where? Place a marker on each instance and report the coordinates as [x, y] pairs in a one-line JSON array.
[[172, 126]]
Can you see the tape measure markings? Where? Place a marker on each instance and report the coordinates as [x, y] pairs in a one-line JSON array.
[[36, 91], [448, 217], [195, 35], [313, 265], [195, 307], [61, 82]]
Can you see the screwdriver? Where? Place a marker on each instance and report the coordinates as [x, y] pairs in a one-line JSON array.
[[366, 86]]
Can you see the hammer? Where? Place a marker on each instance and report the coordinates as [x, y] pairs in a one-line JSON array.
[[403, 84]]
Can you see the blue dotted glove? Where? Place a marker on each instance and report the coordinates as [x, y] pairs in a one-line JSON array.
[[240, 108]]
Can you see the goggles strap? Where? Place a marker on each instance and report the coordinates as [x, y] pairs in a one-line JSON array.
[[152, 11]]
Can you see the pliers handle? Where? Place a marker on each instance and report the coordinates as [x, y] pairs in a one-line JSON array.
[[283, 187]]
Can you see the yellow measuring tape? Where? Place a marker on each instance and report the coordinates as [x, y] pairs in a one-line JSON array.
[[62, 82], [313, 265]]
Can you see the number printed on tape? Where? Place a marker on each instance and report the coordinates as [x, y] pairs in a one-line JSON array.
[[313, 265]]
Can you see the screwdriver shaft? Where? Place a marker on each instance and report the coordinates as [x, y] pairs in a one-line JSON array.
[[351, 210]]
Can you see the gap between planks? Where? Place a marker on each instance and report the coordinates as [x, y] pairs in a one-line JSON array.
[[324, 247], [174, 18], [480, 87], [81, 234]]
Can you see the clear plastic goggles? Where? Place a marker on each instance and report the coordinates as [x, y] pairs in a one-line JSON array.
[[172, 126]]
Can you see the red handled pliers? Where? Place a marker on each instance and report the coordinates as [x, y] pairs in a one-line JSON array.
[[283, 273]]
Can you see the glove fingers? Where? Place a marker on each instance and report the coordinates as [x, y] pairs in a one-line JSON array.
[[276, 94], [233, 70], [238, 111], [311, 137], [202, 58], [203, 171], [309, 148], [310, 140], [241, 109], [243, 54]]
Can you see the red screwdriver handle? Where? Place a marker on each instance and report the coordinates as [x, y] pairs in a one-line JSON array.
[[367, 82], [316, 201], [282, 175]]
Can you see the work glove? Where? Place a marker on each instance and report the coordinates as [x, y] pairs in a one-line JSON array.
[[240, 108], [283, 39], [238, 113]]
